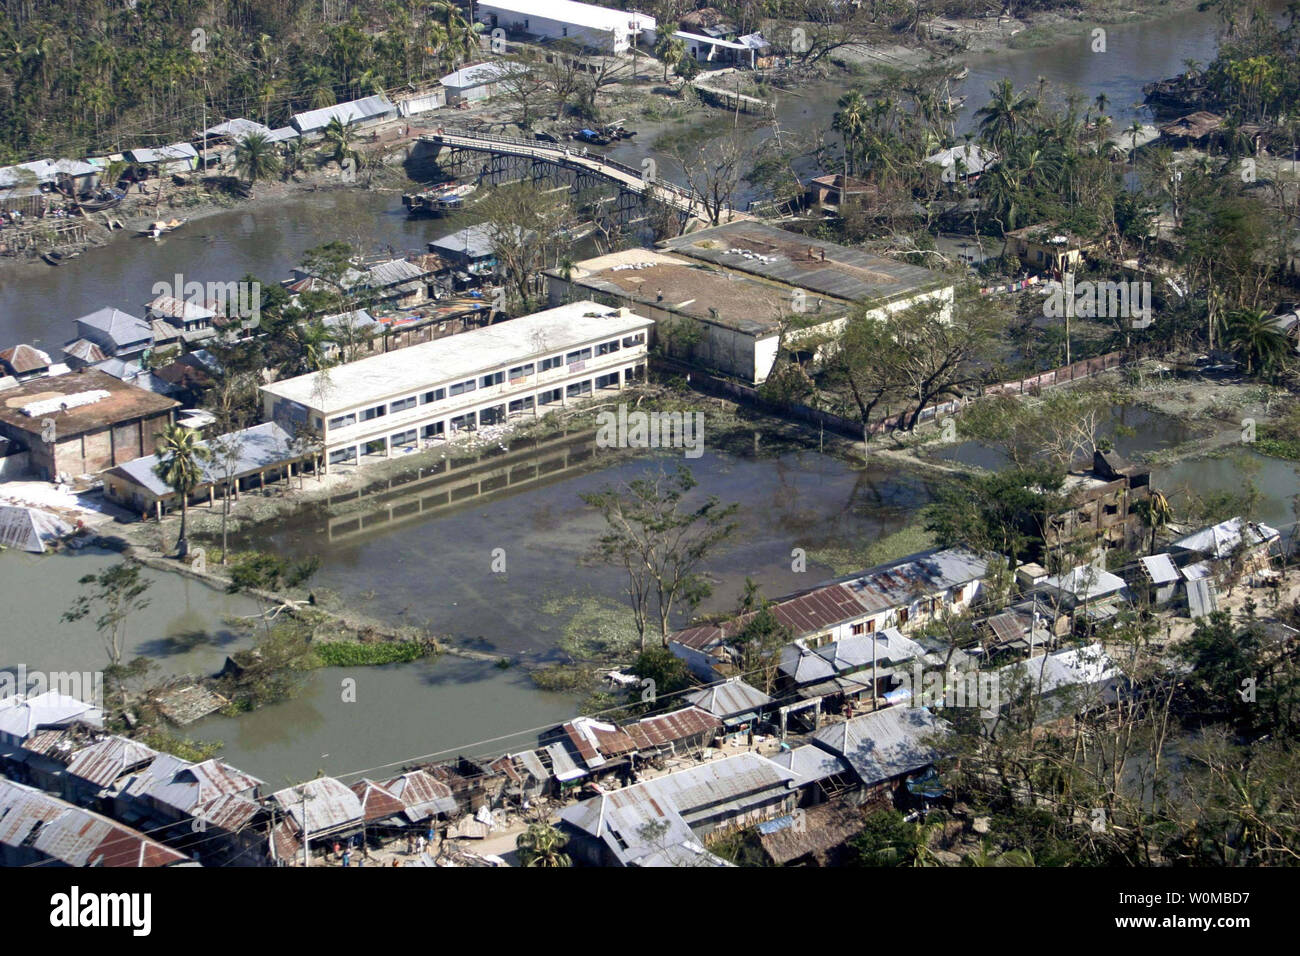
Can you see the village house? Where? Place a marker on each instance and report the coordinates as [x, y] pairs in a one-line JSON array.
[[364, 113], [37, 829], [266, 452], [740, 707], [324, 809], [595, 747], [31, 723], [1047, 248], [165, 160], [82, 423], [1105, 504], [23, 362], [722, 47], [823, 777], [174, 320], [902, 594], [713, 317], [115, 333], [661, 822], [882, 748], [480, 81], [599, 28], [402, 401], [828, 193], [962, 164], [1068, 682]]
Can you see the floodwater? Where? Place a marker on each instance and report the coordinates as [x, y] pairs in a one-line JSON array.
[[391, 714], [1133, 431], [182, 629], [437, 570], [1277, 480]]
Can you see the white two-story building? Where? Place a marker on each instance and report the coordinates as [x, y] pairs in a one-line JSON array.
[[402, 401]]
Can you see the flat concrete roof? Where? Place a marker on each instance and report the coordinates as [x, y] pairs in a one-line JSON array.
[[457, 357], [123, 403], [743, 303], [784, 256]]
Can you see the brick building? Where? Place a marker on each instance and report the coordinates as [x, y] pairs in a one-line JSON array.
[[82, 422]]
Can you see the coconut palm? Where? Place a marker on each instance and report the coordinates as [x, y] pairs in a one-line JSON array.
[[1005, 114], [180, 466], [1155, 513], [541, 845], [850, 121], [255, 157], [339, 136], [1252, 335], [669, 49]]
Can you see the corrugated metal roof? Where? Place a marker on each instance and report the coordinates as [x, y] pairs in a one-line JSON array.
[[176, 783], [72, 835], [422, 795], [884, 744], [230, 812], [261, 446], [642, 824], [120, 327], [651, 732], [1086, 582], [330, 805], [729, 698], [905, 581], [811, 763], [24, 358], [163, 154], [22, 716], [377, 801], [369, 107], [103, 763], [1159, 568], [1219, 541]]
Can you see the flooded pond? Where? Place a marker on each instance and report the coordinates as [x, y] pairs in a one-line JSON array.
[[433, 709], [1277, 480], [1133, 430], [437, 570], [182, 629]]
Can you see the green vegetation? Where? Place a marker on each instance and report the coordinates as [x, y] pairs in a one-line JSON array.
[[79, 78], [183, 747], [351, 654]]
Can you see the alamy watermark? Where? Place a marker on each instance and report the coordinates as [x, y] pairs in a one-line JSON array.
[[85, 686], [1100, 300], [242, 300], [939, 688], [637, 429]]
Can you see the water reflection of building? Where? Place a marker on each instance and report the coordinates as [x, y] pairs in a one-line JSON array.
[[417, 397]]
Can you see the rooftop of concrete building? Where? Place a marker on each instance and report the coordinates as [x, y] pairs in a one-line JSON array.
[[93, 400], [805, 263], [456, 357], [699, 290]]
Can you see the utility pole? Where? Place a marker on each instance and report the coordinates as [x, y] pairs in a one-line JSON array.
[[306, 840], [875, 687]]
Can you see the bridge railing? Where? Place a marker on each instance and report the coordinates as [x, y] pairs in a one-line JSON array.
[[532, 148]]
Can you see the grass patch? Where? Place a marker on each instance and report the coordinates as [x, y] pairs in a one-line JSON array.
[[906, 540], [350, 654]]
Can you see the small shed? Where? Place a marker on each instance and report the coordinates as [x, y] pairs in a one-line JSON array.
[[1161, 576]]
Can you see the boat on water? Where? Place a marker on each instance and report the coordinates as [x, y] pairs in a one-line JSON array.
[[438, 201], [58, 258]]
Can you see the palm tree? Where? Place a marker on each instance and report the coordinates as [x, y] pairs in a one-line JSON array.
[[1134, 132], [180, 459], [668, 48], [340, 136], [1253, 335], [540, 845], [255, 157], [851, 123], [1006, 112], [1155, 513]]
